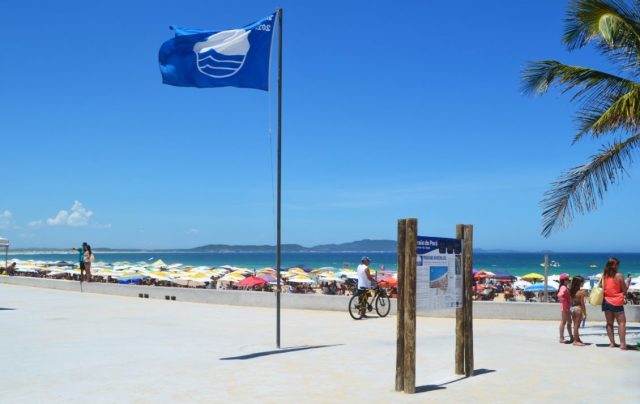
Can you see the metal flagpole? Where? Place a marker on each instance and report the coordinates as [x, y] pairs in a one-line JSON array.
[[279, 203]]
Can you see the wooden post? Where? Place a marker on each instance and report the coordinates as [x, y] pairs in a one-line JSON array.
[[402, 225], [410, 306], [467, 260], [546, 277], [459, 367]]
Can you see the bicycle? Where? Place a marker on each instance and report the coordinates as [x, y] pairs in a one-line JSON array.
[[364, 302]]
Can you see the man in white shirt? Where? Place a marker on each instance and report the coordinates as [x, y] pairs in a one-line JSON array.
[[365, 280]]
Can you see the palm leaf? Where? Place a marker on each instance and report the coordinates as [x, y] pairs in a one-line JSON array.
[[611, 23], [580, 189], [608, 102], [611, 114]]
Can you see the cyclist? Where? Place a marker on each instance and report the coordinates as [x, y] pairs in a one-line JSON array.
[[365, 281]]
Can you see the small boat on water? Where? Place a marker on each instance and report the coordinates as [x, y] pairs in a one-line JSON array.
[[551, 264], [593, 266]]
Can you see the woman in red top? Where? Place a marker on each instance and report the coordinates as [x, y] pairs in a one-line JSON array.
[[613, 302]]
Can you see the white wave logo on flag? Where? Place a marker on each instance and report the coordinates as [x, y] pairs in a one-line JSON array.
[[222, 54]]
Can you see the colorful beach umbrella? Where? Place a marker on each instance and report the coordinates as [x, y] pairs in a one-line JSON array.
[[388, 282], [533, 276], [299, 279], [539, 287], [482, 274], [251, 281], [267, 277]]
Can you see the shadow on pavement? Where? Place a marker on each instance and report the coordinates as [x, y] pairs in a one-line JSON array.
[[276, 351], [6, 308], [432, 387]]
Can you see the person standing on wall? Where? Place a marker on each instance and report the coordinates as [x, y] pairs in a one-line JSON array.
[[88, 259], [81, 258]]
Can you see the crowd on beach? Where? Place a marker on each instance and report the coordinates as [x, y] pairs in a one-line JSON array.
[[299, 279]]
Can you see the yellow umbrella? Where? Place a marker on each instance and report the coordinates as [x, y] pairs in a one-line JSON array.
[[159, 263], [533, 276], [300, 279]]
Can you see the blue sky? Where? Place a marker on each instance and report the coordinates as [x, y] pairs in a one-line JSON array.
[[391, 110]]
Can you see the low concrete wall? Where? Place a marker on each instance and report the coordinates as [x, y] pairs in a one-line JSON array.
[[481, 310]]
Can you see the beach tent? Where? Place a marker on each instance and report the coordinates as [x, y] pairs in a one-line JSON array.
[[4, 243]]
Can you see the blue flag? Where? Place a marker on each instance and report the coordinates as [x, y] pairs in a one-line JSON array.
[[235, 57]]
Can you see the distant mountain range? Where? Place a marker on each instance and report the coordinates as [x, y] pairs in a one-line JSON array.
[[354, 246], [364, 246], [361, 246]]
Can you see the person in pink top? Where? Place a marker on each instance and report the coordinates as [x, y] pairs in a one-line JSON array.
[[613, 303], [564, 297]]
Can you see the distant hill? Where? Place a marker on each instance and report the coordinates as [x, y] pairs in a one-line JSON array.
[[359, 246], [224, 248], [354, 246]]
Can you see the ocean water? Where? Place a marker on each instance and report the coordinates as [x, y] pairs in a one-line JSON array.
[[515, 263]]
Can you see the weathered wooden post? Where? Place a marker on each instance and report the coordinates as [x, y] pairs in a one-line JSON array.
[[459, 367], [467, 265], [402, 226], [410, 306]]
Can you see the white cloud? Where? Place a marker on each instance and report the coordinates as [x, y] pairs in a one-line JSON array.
[[5, 219], [79, 216], [192, 231], [35, 223]]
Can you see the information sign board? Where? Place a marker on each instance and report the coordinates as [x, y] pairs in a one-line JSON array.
[[438, 273]]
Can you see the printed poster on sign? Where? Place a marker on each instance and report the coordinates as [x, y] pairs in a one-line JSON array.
[[439, 273]]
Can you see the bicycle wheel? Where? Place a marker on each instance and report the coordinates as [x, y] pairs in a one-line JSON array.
[[354, 308], [383, 305]]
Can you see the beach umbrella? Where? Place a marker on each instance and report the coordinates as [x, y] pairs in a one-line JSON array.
[[251, 281], [332, 269], [267, 277], [539, 287], [299, 279], [504, 276], [305, 268], [330, 278], [159, 263], [232, 277], [482, 274], [521, 284], [533, 276], [388, 282]]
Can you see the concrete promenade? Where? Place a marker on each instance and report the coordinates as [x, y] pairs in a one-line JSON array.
[[62, 346]]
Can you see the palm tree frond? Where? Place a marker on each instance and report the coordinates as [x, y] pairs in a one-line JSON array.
[[608, 102], [610, 114], [608, 20], [538, 76], [581, 188]]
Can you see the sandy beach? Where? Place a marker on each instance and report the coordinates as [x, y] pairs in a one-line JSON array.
[[71, 347]]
